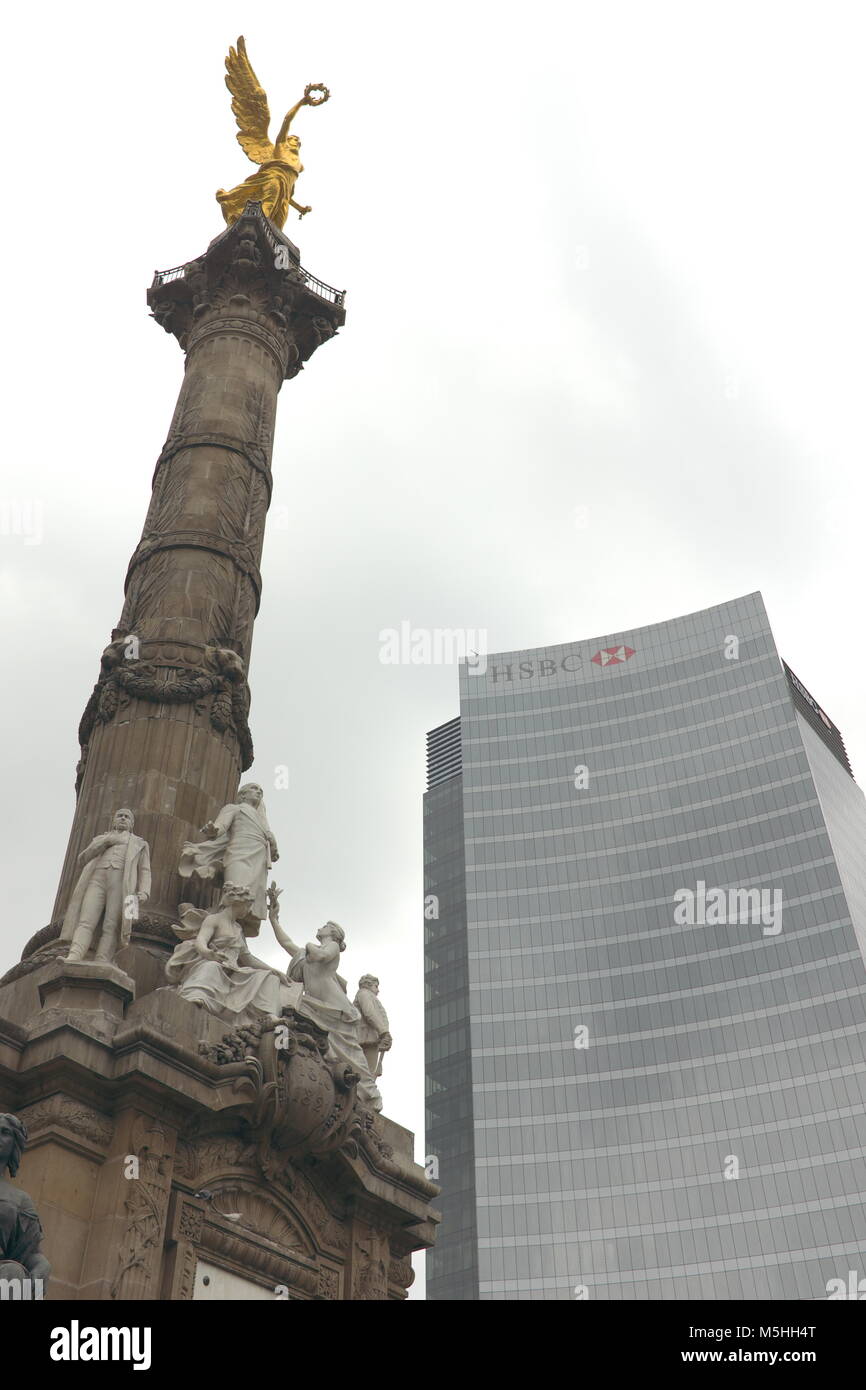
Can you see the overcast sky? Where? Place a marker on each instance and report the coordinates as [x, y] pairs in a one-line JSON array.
[[603, 365]]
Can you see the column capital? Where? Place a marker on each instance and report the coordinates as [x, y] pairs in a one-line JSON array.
[[249, 282]]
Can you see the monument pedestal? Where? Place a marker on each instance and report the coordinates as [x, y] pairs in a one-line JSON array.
[[167, 1149], [91, 985]]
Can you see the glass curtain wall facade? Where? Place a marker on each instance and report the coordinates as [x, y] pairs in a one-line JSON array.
[[448, 1058], [646, 1023]]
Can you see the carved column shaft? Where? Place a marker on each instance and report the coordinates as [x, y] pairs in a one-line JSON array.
[[165, 731]]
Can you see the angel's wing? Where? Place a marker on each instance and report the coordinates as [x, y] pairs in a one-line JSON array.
[[192, 918], [249, 104]]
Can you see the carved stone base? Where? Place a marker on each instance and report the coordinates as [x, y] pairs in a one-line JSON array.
[[163, 1143], [86, 985]]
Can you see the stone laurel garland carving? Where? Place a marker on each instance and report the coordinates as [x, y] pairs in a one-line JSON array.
[[382, 1156], [45, 946], [156, 926], [329, 1283], [371, 1267], [149, 583], [244, 606], [70, 1115], [178, 442], [401, 1273], [257, 416], [187, 413], [186, 1282], [146, 593], [140, 680], [216, 1156], [45, 937], [186, 1162], [375, 1145], [330, 1230], [238, 552], [146, 1207], [235, 1046], [190, 1223], [235, 482], [42, 947]]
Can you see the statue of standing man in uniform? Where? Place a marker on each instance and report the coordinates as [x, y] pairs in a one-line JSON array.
[[241, 847], [113, 883], [373, 1033]]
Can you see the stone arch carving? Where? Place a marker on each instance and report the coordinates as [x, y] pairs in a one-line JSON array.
[[265, 1241], [262, 1215]]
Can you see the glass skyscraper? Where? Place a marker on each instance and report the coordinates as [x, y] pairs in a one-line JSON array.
[[645, 879]]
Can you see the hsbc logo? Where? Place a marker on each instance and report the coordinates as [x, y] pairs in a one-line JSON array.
[[527, 669], [612, 656], [547, 667]]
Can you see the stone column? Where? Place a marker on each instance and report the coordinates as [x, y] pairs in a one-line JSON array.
[[165, 731]]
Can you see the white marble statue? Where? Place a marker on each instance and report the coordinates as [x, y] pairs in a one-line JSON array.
[[325, 999], [213, 968], [373, 1029], [112, 885], [240, 846]]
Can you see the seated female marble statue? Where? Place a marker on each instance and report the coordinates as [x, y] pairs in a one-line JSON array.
[[20, 1231], [213, 968]]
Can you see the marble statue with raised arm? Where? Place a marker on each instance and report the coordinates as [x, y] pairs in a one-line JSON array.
[[213, 968], [113, 884], [20, 1231], [325, 999], [241, 847], [374, 1036]]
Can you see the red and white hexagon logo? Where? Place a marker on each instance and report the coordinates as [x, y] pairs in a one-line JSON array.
[[612, 656]]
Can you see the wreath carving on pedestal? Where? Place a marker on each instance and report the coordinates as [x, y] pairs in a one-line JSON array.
[[122, 677]]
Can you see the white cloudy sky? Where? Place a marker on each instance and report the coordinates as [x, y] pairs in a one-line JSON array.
[[605, 265]]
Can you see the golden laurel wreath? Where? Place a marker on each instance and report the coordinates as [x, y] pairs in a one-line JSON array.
[[316, 87]]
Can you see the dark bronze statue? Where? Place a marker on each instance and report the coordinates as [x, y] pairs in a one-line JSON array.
[[20, 1231]]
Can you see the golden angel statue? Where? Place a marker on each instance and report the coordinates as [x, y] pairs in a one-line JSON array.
[[279, 164]]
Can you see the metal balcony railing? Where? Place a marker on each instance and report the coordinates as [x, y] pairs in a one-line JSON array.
[[164, 277], [318, 287], [321, 289]]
